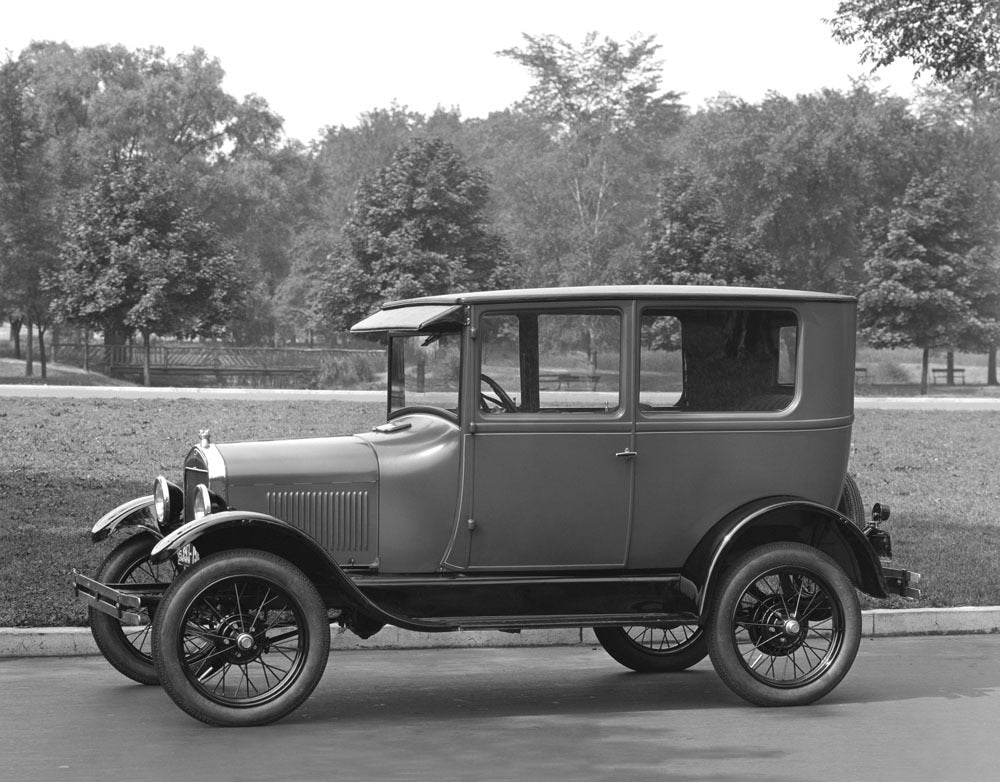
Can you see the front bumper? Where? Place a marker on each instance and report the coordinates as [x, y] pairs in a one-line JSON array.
[[130, 604]]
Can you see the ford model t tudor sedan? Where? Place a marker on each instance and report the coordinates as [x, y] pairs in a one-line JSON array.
[[665, 465]]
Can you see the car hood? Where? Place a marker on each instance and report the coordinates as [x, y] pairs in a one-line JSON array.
[[320, 460]]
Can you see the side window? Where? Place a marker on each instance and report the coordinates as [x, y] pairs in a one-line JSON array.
[[717, 360], [550, 362]]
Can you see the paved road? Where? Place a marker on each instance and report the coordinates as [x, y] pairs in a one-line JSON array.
[[911, 709]]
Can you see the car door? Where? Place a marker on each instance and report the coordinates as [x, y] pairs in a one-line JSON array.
[[549, 461]]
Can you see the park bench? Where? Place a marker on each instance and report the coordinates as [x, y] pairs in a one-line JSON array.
[[565, 380], [860, 374], [958, 373]]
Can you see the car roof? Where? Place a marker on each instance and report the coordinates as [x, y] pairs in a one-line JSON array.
[[445, 310], [618, 292]]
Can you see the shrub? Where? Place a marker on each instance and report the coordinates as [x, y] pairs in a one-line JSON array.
[[350, 371]]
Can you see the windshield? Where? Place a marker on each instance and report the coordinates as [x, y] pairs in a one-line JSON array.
[[424, 371]]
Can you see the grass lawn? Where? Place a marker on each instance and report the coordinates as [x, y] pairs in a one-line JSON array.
[[12, 373], [65, 462]]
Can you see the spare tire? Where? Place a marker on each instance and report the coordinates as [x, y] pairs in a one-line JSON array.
[[850, 503]]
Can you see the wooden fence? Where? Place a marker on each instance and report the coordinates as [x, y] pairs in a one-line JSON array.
[[216, 365]]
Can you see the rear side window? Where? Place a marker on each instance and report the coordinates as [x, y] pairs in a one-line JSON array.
[[717, 360]]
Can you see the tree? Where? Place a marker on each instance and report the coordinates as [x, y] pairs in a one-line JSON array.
[[927, 273], [28, 226], [778, 192], [137, 259], [70, 114], [417, 227], [958, 41], [691, 243], [593, 162]]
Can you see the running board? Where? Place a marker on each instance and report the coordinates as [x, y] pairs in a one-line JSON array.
[[515, 623]]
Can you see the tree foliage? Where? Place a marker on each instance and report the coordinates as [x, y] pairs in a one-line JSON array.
[[929, 272], [958, 41], [28, 207], [599, 175], [778, 192], [602, 121], [417, 227], [136, 259]]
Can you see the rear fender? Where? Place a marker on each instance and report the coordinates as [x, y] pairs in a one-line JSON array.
[[248, 529], [134, 513], [785, 519]]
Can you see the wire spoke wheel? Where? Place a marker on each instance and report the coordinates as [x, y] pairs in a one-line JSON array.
[[129, 648], [787, 629], [243, 641], [241, 638], [658, 648], [146, 572], [785, 625]]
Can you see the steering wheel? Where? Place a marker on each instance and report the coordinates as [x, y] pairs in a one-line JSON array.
[[501, 400]]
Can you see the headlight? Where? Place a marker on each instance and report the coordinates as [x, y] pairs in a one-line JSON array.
[[202, 501], [168, 500]]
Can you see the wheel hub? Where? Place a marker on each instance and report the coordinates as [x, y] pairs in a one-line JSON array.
[[244, 642], [237, 640], [773, 631]]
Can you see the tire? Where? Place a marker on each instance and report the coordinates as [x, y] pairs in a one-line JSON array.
[[784, 625], [128, 648], [655, 648], [241, 638], [850, 503]]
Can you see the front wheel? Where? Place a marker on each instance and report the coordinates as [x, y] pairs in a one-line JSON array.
[[784, 625], [127, 648], [241, 638], [657, 648]]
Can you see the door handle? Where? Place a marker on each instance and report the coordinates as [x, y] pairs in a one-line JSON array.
[[628, 453]]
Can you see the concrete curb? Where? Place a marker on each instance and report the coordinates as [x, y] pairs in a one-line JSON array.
[[881, 622]]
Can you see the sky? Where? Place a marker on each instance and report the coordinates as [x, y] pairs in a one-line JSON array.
[[320, 64]]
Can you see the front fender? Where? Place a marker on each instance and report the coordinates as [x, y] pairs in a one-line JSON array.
[[137, 512], [191, 532], [786, 519]]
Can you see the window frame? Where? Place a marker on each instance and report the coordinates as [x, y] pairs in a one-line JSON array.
[[563, 417], [455, 416], [654, 309]]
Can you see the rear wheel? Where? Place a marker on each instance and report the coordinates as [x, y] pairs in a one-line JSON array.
[[784, 625], [241, 638], [127, 648], [656, 648]]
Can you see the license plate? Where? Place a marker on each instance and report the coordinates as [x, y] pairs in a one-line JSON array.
[[187, 555]]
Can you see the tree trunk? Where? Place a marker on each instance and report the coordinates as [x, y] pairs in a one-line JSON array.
[[54, 343], [991, 366], [86, 350], [951, 367], [924, 368], [15, 336], [41, 351], [29, 354], [146, 381]]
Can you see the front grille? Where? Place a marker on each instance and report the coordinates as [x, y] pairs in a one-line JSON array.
[[337, 520]]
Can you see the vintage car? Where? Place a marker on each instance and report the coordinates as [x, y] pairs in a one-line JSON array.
[[661, 464]]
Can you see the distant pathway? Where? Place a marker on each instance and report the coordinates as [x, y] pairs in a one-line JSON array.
[[140, 392], [260, 394]]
